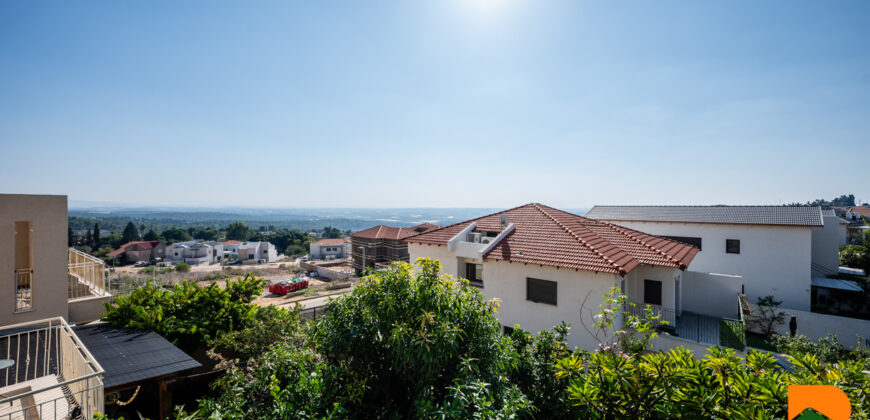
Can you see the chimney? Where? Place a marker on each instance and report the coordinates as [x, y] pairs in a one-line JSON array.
[[504, 220]]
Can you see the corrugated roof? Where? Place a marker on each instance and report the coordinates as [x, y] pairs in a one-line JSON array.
[[547, 236], [131, 356], [752, 215]]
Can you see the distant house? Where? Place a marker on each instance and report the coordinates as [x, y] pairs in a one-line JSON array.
[[139, 251], [327, 249], [257, 252], [231, 247], [195, 252], [771, 247], [381, 245], [855, 216]]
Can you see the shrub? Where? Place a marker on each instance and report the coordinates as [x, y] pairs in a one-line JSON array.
[[187, 314], [418, 345], [182, 267]]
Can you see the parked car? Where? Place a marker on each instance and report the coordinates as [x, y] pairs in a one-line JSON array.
[[141, 264]]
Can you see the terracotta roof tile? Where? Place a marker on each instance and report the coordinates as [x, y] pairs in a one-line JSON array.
[[331, 242], [397, 233], [547, 236]]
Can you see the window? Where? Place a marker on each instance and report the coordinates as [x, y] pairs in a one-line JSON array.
[[686, 240], [474, 274], [652, 292], [732, 246], [507, 330], [23, 268], [541, 291]]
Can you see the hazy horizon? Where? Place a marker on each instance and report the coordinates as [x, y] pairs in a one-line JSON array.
[[435, 104]]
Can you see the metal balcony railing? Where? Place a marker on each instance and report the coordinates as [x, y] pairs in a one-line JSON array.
[[87, 276], [48, 373]]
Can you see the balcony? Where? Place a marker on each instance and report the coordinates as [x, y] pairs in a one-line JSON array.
[[88, 287], [47, 373]]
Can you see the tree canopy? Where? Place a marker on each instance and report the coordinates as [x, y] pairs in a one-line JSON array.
[[238, 231], [131, 233]]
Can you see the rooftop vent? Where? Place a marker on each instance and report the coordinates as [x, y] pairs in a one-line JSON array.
[[504, 220]]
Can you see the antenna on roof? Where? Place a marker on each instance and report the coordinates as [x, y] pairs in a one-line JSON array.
[[504, 220]]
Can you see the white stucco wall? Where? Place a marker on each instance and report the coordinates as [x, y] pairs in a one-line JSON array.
[[448, 259], [507, 282], [816, 326], [826, 245], [48, 242], [773, 260], [711, 294]]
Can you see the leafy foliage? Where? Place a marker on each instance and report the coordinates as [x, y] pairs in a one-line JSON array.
[[416, 345], [238, 231], [187, 314], [182, 267], [855, 256], [611, 384]]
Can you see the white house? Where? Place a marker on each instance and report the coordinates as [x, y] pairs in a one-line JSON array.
[[326, 249], [257, 252], [548, 266], [194, 252], [771, 247]]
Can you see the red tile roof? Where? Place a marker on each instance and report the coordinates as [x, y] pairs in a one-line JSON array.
[[231, 243], [331, 242], [123, 248], [547, 236], [384, 232], [865, 211]]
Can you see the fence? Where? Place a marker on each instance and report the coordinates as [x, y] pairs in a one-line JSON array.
[[311, 314], [52, 374], [663, 314]]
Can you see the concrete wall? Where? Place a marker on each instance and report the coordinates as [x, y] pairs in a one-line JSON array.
[[48, 217], [87, 310], [711, 294], [773, 260], [816, 326], [826, 246]]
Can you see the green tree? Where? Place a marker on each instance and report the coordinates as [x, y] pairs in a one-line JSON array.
[[173, 235], [855, 256], [130, 233], [96, 238], [330, 232], [89, 238], [182, 267], [238, 231], [150, 236]]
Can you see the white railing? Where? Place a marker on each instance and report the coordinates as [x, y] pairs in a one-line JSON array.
[[663, 314], [87, 275], [52, 376], [23, 289]]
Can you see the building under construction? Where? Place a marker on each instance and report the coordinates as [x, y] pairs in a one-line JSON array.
[[377, 247]]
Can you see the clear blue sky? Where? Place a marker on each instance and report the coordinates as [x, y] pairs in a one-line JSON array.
[[480, 103]]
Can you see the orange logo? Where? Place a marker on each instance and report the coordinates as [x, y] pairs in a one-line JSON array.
[[827, 400]]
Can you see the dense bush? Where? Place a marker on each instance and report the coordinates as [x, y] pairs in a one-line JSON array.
[[855, 256], [182, 267], [187, 314], [612, 384]]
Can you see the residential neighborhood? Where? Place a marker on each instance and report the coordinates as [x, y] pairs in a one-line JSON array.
[[449, 209]]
